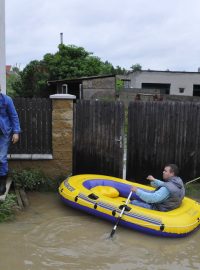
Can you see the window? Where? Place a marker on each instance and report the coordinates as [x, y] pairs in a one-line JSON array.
[[196, 90], [163, 87], [181, 90]]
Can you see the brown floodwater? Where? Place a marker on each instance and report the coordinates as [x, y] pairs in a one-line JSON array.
[[50, 235]]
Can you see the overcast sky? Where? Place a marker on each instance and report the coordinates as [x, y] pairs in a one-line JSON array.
[[157, 34]]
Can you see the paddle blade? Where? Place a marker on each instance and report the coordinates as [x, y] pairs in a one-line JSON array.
[[112, 233]]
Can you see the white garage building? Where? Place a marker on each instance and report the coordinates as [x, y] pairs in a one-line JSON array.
[[168, 82]]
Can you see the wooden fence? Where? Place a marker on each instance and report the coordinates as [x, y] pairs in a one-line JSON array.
[[160, 133], [98, 134], [36, 123]]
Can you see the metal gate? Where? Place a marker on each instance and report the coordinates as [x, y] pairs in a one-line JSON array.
[[98, 137]]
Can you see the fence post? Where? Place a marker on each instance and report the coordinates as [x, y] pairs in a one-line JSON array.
[[62, 131]]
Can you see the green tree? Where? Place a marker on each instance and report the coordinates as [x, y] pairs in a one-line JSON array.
[[71, 61], [136, 67], [32, 81], [119, 86], [68, 62], [11, 79], [119, 71]]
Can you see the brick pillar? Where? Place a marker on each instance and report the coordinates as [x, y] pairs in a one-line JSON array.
[[62, 131]]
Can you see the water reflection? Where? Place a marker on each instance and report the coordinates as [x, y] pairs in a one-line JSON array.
[[52, 236]]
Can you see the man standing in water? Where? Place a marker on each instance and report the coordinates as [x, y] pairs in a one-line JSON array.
[[9, 131], [168, 194]]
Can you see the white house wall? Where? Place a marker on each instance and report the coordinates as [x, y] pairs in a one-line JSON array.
[[2, 47], [177, 80]]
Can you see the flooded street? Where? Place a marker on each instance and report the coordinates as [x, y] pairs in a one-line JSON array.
[[49, 235]]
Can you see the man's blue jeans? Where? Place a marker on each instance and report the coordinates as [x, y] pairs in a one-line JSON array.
[[4, 145]]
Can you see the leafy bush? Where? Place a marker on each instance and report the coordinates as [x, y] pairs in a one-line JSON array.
[[193, 190], [8, 207], [29, 179], [33, 179]]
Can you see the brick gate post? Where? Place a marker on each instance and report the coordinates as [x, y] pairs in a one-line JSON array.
[[62, 132]]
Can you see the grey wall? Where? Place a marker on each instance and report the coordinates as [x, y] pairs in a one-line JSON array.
[[93, 88]]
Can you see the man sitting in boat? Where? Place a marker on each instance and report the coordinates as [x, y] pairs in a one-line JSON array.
[[168, 194]]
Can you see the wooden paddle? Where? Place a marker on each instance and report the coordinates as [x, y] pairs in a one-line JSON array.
[[118, 220]]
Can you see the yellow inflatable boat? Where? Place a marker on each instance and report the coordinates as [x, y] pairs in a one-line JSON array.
[[105, 196]]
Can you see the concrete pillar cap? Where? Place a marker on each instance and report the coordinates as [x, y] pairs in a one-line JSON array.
[[62, 96]]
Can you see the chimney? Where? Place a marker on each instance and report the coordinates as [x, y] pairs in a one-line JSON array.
[[61, 38]]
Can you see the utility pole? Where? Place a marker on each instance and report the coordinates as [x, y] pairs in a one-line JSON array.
[[2, 47]]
